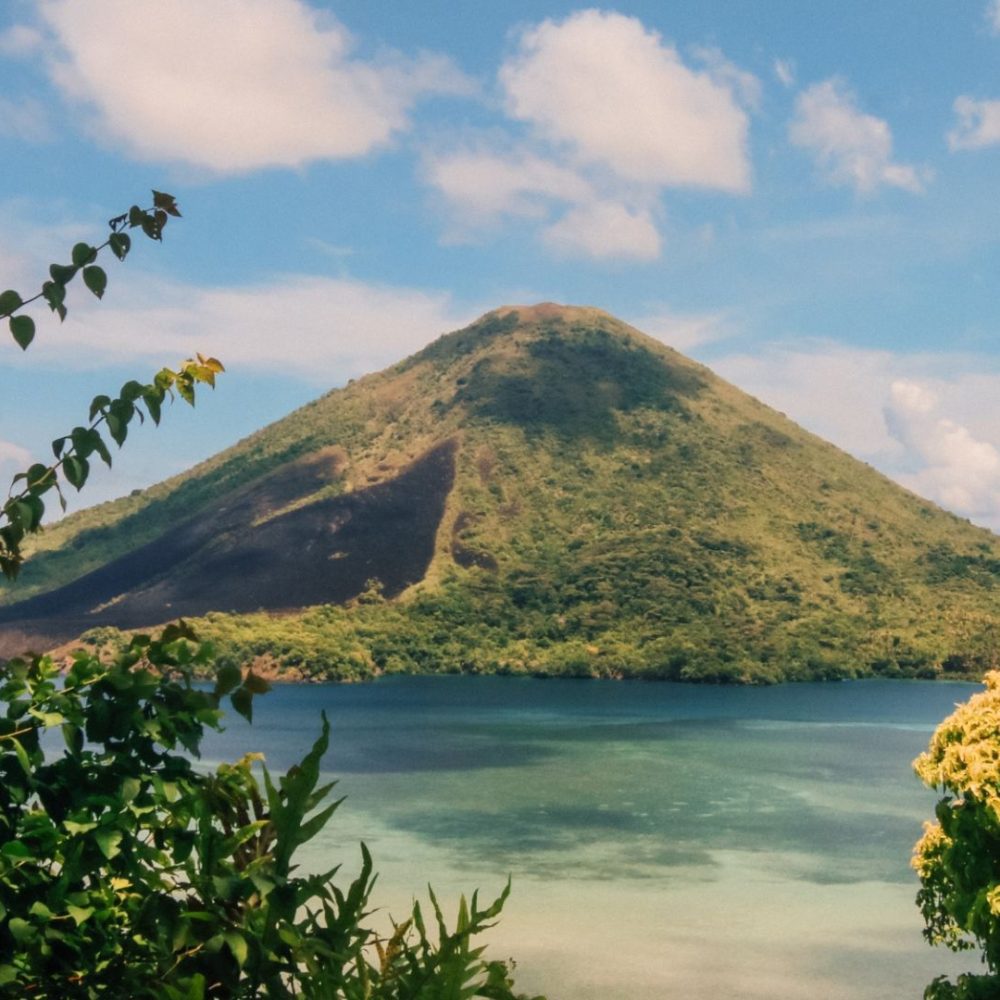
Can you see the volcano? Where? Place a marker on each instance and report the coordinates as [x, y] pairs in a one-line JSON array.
[[547, 490]]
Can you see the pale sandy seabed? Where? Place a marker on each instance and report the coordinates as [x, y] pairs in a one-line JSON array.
[[739, 933]]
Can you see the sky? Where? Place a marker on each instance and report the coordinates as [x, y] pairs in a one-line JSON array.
[[803, 196]]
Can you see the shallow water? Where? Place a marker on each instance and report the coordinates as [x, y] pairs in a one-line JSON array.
[[664, 840]]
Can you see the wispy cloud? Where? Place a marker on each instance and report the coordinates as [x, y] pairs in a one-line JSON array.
[[604, 229], [483, 186], [322, 330], [978, 124], [851, 148], [993, 16], [683, 331], [24, 118], [784, 70], [20, 41], [234, 85]]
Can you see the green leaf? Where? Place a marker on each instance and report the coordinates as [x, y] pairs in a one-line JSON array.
[[120, 244], [73, 828], [22, 757], [255, 684], [9, 301], [101, 448], [22, 329], [117, 427], [227, 678], [15, 850], [98, 404], [242, 700], [95, 279], [130, 789], [55, 295], [73, 738], [8, 973], [167, 202], [109, 841], [20, 930], [238, 946], [152, 399], [62, 274], [79, 913], [83, 253], [76, 470], [38, 474]]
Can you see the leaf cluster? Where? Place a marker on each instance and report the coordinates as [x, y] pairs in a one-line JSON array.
[[958, 856], [127, 871], [150, 221], [24, 509]]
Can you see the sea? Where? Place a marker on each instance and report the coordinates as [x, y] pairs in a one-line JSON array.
[[662, 840]]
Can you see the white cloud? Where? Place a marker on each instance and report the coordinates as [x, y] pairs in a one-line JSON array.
[[743, 85], [784, 70], [683, 331], [615, 119], [831, 390], [604, 229], [978, 124], [957, 469], [323, 330], [853, 149], [483, 186], [233, 85], [617, 96], [25, 119], [993, 16], [20, 41], [13, 459]]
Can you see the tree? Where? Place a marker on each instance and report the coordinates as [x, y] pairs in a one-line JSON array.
[[125, 870], [958, 856]]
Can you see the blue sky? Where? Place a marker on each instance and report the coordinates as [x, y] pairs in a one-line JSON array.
[[805, 196]]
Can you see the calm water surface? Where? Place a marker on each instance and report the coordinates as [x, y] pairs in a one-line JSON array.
[[664, 840]]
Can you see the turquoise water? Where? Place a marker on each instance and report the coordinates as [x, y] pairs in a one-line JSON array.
[[664, 840]]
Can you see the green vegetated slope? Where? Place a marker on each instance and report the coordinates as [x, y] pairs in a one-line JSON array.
[[547, 490]]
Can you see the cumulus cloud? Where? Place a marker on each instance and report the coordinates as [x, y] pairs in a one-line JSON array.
[[852, 149], [233, 85], [604, 229], [614, 118], [978, 124], [616, 95], [958, 470]]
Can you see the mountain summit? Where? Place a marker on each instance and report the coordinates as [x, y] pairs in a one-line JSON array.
[[546, 490]]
